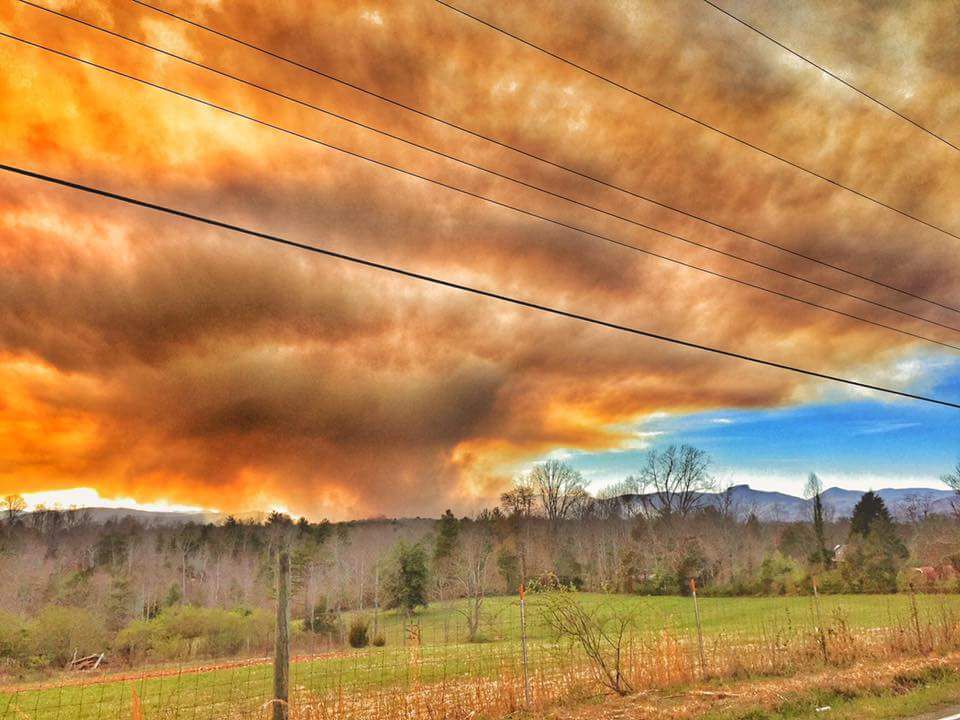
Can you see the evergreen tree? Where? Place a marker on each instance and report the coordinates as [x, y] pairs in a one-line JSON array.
[[448, 537], [872, 561], [119, 601], [406, 585], [875, 550], [821, 555], [868, 510], [508, 564], [446, 548]]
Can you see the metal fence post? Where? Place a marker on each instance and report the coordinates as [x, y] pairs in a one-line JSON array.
[[523, 645]]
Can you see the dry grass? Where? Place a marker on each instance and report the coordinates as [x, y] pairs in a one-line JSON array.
[[731, 698], [661, 663], [668, 669], [664, 665]]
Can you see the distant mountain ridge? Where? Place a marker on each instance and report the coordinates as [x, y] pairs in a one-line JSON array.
[[102, 515], [838, 502], [766, 504]]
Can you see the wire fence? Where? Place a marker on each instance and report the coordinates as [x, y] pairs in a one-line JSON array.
[[439, 663]]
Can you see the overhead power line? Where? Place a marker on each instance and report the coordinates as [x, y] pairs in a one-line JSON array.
[[462, 287], [312, 106], [836, 77], [478, 196], [539, 158], [702, 123]]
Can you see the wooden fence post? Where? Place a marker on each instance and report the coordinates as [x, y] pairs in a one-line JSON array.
[[916, 618], [821, 634], [281, 658], [696, 609]]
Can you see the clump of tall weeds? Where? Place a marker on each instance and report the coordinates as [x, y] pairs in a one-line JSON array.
[[602, 633]]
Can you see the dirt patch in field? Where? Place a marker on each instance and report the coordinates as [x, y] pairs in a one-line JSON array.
[[692, 702], [91, 678]]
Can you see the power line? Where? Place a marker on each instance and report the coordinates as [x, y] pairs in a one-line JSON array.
[[464, 288], [836, 77], [478, 196], [539, 158], [467, 163], [698, 121]]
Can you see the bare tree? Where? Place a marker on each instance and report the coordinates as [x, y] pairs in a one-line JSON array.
[[916, 508], [777, 513], [814, 491], [620, 499], [518, 501], [727, 505], [186, 542], [952, 481], [674, 481], [476, 548], [14, 506], [559, 488], [518, 504]]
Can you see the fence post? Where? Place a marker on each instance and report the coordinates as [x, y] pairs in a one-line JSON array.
[[821, 635], [523, 645], [281, 658], [696, 610], [916, 617]]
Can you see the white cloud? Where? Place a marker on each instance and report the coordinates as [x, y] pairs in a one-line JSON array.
[[89, 497], [877, 428]]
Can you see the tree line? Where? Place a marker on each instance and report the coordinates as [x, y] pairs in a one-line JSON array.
[[143, 589]]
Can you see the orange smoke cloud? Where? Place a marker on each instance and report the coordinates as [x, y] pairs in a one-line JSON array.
[[153, 358]]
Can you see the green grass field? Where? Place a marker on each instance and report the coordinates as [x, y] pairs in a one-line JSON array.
[[444, 623], [444, 653]]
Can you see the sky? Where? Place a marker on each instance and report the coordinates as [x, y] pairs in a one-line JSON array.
[[154, 362]]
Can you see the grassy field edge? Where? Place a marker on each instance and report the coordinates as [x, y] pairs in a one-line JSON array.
[[909, 689], [932, 693]]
